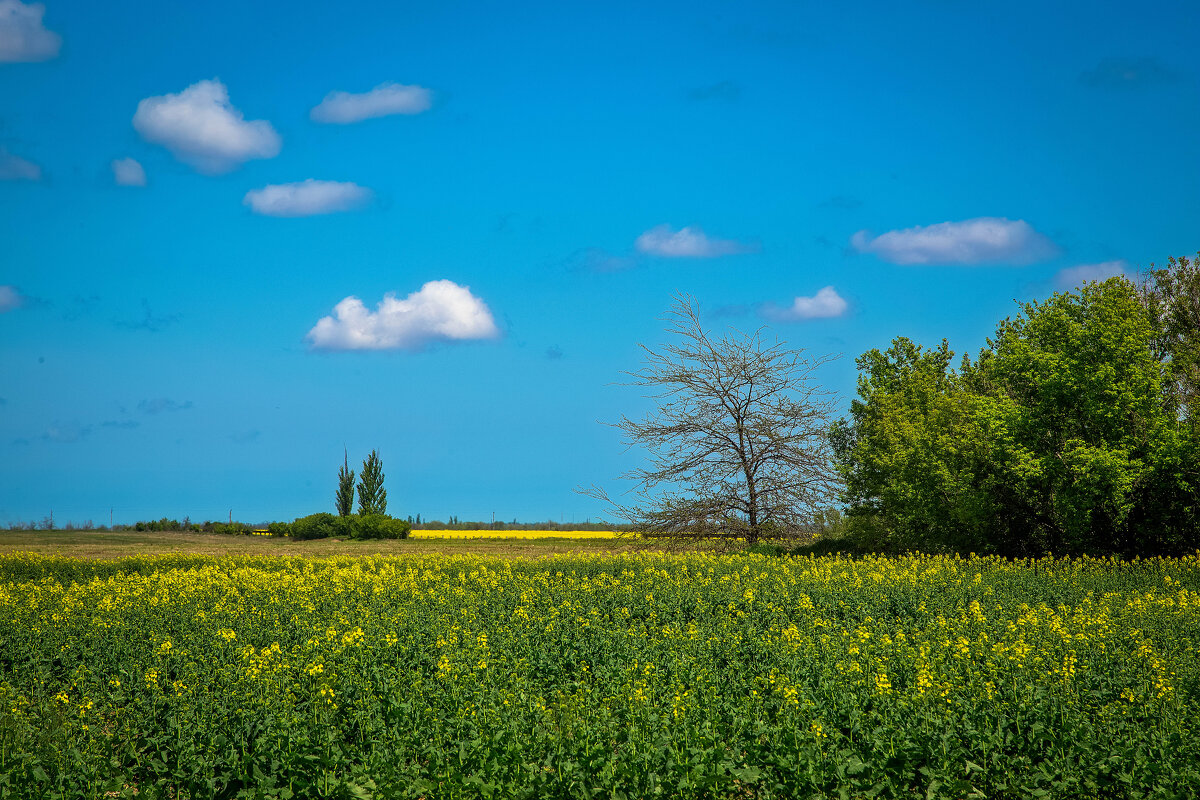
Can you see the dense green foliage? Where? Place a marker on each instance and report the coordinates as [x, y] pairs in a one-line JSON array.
[[618, 677], [372, 497], [323, 525], [1063, 436]]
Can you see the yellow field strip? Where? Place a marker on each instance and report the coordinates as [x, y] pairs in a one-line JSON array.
[[512, 534]]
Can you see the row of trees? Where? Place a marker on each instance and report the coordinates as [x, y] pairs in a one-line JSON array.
[[372, 497], [1076, 429]]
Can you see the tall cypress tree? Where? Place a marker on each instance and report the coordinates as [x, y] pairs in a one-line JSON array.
[[345, 490], [372, 497]]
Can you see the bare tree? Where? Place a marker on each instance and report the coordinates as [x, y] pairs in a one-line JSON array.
[[1171, 295], [738, 445]]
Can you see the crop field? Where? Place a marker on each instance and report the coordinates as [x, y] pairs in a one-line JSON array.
[[111, 545], [622, 675], [512, 534]]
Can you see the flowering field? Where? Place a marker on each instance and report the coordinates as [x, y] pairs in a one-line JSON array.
[[512, 534], [615, 676]]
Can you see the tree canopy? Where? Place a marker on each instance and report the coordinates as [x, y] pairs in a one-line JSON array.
[[1069, 433]]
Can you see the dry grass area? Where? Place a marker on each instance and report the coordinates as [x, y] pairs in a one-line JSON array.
[[91, 544]]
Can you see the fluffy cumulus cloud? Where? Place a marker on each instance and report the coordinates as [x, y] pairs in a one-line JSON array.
[[306, 198], [10, 298], [15, 168], [689, 242], [23, 37], [1073, 277], [384, 100], [202, 128], [973, 241], [128, 172], [824, 304], [442, 311]]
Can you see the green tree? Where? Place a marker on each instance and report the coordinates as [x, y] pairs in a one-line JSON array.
[[1063, 437], [1077, 419], [913, 455], [372, 497], [345, 490], [1171, 295]]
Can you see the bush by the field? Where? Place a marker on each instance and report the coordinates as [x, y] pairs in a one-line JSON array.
[[356, 526], [378, 526]]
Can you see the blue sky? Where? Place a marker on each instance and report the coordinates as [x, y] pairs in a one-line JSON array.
[[205, 208]]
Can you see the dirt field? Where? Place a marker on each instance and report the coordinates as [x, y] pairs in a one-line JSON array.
[[86, 544]]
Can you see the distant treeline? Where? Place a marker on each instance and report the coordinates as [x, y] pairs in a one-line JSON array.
[[156, 525], [167, 524]]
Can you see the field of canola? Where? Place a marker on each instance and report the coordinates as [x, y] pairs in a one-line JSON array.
[[615, 676], [511, 534]]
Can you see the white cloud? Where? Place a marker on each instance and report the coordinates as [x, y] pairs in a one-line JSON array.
[[824, 304], [1074, 277], [22, 36], [440, 311], [306, 198], [384, 100], [689, 242], [972, 241], [200, 127], [128, 172], [10, 298], [15, 168]]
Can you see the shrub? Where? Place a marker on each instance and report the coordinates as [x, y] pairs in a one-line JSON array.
[[280, 528], [321, 525], [378, 526]]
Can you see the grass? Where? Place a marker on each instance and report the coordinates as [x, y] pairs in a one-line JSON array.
[[105, 545]]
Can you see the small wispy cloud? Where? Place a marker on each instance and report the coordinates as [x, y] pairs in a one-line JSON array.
[[245, 437], [202, 128], [306, 198], [66, 433], [120, 424], [1074, 277], [726, 91], [23, 36], [842, 202], [15, 168], [825, 304], [688, 242], [128, 172], [441, 311], [158, 405], [1128, 73], [596, 259], [10, 298], [80, 306], [149, 321], [973, 241], [384, 100], [554, 352]]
